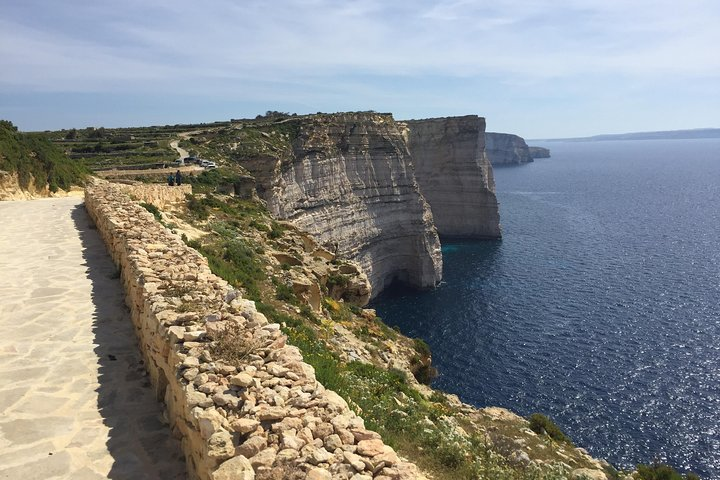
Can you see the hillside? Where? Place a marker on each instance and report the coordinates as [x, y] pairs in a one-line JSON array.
[[36, 162]]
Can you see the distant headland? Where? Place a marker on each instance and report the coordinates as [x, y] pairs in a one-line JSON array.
[[660, 135]]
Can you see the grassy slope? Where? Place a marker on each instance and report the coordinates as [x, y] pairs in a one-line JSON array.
[[34, 158]]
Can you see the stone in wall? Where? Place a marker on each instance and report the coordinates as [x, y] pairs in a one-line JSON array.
[[455, 175]]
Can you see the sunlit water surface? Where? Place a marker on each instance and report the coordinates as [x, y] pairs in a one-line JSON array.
[[601, 305]]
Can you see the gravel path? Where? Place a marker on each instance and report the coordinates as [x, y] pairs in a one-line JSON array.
[[74, 400]]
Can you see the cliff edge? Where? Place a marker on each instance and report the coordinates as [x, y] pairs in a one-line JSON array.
[[455, 175], [506, 149], [348, 180]]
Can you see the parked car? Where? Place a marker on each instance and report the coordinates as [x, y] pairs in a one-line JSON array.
[[208, 164]]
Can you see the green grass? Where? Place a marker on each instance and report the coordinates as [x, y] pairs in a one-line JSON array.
[[276, 231], [209, 180], [237, 262], [284, 293]]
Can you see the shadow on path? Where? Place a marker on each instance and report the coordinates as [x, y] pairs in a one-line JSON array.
[[140, 442]]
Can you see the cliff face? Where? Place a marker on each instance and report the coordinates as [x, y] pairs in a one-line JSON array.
[[539, 152], [455, 175], [506, 149], [348, 180]]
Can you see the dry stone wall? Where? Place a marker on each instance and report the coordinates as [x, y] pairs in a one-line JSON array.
[[264, 415], [161, 196]]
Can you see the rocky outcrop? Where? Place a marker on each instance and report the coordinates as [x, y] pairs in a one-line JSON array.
[[309, 269], [348, 180], [455, 176], [506, 149], [242, 400], [539, 152], [10, 189]]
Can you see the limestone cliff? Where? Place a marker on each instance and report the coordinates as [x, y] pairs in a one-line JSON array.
[[455, 176], [506, 149], [539, 152], [348, 180]]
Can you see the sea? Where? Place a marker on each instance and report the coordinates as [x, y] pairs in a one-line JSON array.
[[600, 306]]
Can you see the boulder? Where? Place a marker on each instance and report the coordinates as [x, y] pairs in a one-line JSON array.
[[237, 468]]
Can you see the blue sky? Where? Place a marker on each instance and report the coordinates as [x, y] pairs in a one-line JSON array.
[[541, 69]]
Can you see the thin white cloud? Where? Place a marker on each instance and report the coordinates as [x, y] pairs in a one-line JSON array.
[[324, 51], [139, 41]]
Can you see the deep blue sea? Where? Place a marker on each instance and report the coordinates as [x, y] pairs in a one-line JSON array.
[[600, 307]]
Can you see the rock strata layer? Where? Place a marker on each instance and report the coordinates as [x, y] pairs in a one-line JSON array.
[[506, 149], [455, 175], [349, 181]]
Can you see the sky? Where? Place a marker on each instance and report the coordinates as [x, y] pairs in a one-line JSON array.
[[537, 68]]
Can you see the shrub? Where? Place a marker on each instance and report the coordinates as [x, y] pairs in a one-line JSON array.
[[424, 374], [285, 293], [152, 209], [209, 180], [308, 313], [660, 471], [276, 231], [197, 208], [338, 311], [237, 263], [339, 280], [422, 347], [438, 397], [540, 424], [233, 344], [258, 226]]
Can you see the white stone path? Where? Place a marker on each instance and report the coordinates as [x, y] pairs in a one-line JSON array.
[[74, 400]]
